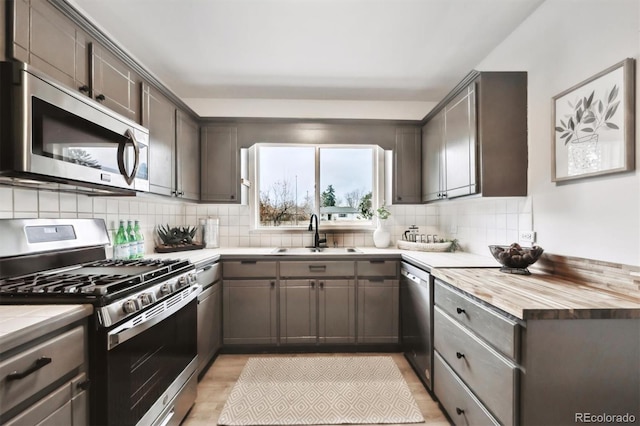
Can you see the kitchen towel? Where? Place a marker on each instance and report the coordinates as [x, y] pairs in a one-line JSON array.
[[320, 390]]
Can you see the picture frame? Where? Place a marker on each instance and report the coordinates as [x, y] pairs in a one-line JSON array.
[[593, 130]]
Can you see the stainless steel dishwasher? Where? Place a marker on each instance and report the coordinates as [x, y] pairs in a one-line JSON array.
[[416, 304], [209, 312]]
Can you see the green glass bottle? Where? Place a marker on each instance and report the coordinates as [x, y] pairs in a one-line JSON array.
[[131, 238], [139, 239], [121, 246]]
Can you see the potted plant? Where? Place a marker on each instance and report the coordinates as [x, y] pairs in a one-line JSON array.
[[381, 237], [177, 238]]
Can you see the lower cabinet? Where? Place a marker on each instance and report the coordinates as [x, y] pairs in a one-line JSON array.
[[249, 312], [317, 311], [209, 324], [378, 305], [491, 368]]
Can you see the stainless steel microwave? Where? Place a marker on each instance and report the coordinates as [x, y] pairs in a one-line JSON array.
[[52, 134]]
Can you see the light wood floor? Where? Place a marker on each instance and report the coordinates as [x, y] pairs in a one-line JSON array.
[[217, 383]]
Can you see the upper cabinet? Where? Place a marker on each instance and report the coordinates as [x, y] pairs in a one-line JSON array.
[[475, 141], [187, 157], [113, 84], [43, 37], [406, 166], [46, 39], [159, 116], [220, 164]]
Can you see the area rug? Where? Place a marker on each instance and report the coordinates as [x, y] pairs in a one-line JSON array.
[[320, 390]]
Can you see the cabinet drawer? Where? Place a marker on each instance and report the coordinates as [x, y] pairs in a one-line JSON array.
[[463, 407], [500, 331], [377, 268], [317, 269], [248, 269], [66, 353], [490, 376]]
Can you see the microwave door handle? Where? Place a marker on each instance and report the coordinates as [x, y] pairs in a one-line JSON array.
[[130, 138]]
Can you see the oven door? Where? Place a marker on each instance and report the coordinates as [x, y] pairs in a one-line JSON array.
[[71, 138], [147, 365]]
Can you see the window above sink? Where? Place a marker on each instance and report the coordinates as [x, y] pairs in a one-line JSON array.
[[339, 183]]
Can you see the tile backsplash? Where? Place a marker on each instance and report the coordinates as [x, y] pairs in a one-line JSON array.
[[475, 222]]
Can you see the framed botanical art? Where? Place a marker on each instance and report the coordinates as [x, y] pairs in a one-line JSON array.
[[594, 125]]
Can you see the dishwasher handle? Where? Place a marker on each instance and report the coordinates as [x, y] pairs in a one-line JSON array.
[[410, 276]]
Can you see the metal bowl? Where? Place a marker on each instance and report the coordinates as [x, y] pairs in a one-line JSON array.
[[515, 258]]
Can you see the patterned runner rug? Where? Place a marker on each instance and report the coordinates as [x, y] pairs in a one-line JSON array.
[[320, 390]]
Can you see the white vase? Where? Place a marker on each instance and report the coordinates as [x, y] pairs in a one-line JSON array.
[[381, 237]]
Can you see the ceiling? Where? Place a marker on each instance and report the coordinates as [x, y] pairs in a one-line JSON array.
[[364, 50]]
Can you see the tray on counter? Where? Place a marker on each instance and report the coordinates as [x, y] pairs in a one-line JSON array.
[[410, 245]]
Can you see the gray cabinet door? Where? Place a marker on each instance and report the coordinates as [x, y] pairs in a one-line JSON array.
[[44, 38], [378, 311], [460, 145], [188, 157], [249, 312], [432, 158], [407, 166], [158, 115], [217, 317], [114, 84], [336, 311], [220, 167], [298, 311]]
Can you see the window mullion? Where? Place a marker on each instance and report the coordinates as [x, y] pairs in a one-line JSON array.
[[318, 189]]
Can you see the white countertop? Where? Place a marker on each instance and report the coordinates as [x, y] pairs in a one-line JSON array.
[[22, 323], [425, 259]]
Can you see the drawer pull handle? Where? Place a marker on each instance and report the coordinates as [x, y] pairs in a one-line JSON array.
[[313, 284], [273, 284], [460, 310], [459, 411], [84, 385], [40, 362], [317, 268], [459, 355], [321, 284]]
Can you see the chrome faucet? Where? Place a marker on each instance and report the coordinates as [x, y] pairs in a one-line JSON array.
[[316, 238]]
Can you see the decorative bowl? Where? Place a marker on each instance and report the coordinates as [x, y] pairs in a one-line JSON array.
[[514, 258]]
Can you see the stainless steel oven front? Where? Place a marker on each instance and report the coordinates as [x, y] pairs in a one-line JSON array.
[[52, 133], [146, 367]]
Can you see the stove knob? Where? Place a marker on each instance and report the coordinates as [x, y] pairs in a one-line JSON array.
[[182, 282], [146, 299], [192, 278], [130, 306], [166, 289]]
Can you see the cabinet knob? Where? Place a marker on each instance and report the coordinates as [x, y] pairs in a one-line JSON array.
[[233, 197], [273, 284], [84, 88], [100, 97], [460, 310], [459, 411], [84, 385], [444, 195], [313, 284], [399, 198], [321, 284], [459, 355]]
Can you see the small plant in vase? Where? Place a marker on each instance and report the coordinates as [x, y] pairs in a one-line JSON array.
[[177, 238], [381, 236]]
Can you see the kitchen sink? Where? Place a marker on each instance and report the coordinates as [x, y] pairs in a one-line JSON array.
[[314, 250]]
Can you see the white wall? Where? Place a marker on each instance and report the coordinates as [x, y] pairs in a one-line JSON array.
[[561, 44], [310, 108]]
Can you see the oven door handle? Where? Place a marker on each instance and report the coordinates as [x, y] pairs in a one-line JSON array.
[[133, 327]]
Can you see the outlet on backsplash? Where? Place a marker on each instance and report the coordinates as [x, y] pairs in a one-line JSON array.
[[527, 237]]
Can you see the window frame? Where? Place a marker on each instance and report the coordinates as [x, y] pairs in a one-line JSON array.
[[377, 189]]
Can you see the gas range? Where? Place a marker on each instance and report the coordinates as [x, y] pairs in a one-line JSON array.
[[117, 288], [144, 321]]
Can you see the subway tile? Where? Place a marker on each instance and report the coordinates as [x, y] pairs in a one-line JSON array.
[[223, 210], [113, 206], [234, 220], [134, 208], [143, 208], [254, 240], [68, 215], [234, 210], [49, 215], [48, 202], [85, 204], [191, 210], [512, 222], [68, 202], [6, 195], [212, 210], [6, 215], [25, 200], [99, 205], [244, 241]]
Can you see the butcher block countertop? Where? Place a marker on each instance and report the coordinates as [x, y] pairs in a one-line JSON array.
[[541, 295]]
